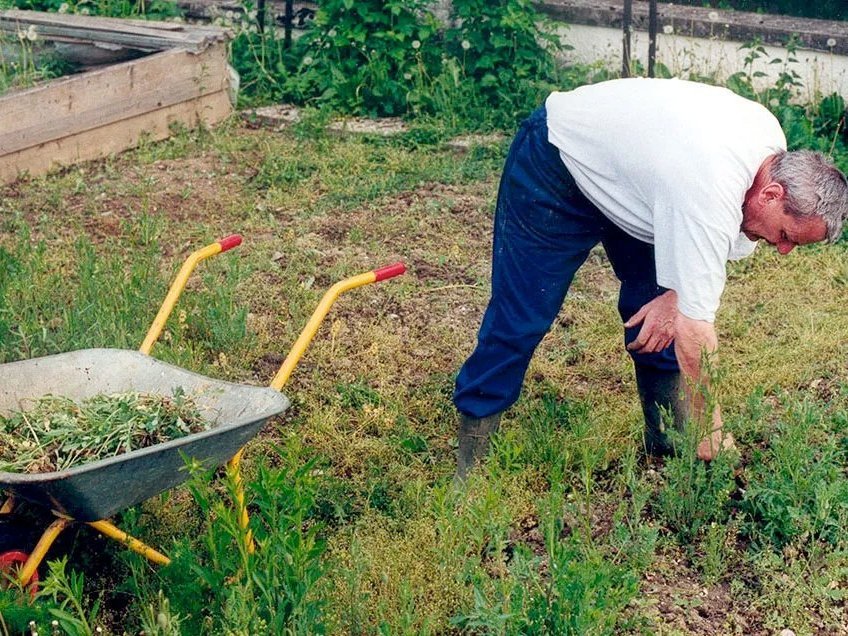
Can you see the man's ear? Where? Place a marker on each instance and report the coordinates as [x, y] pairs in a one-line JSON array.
[[771, 191]]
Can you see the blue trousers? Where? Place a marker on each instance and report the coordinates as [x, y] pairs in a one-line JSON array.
[[544, 230]]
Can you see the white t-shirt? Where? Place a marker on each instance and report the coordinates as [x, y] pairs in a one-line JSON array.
[[669, 162]]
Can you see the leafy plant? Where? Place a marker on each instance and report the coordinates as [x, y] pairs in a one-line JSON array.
[[268, 590], [797, 489], [504, 49], [582, 592], [360, 55], [817, 125], [75, 615], [695, 494], [158, 620]]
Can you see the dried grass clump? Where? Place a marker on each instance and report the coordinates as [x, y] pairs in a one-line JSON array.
[[58, 433]]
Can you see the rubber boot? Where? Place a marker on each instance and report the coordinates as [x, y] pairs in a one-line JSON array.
[[474, 435], [663, 403]]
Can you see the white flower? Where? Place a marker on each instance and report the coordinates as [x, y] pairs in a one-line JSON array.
[[416, 44], [229, 15], [465, 44], [331, 33], [31, 35], [668, 29], [63, 8], [831, 42], [407, 76], [307, 61], [713, 16], [774, 102]]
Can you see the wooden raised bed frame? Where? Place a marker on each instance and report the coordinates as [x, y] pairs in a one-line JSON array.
[[182, 80]]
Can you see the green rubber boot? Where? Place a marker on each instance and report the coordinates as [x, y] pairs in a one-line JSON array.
[[474, 435], [663, 403]]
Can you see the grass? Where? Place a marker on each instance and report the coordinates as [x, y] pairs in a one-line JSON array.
[[24, 62], [360, 529]]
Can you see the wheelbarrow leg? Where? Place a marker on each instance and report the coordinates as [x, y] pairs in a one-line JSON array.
[[40, 550], [234, 469], [113, 532], [8, 506]]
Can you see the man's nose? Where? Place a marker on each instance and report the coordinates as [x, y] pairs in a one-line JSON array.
[[784, 247]]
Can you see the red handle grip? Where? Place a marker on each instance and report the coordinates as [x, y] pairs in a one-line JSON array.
[[228, 243], [389, 271]]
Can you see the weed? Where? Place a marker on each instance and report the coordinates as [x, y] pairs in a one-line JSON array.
[[19, 610], [582, 592], [695, 494], [713, 557], [150, 9], [57, 433], [157, 619], [76, 616], [818, 124], [796, 488], [266, 591], [798, 591], [24, 62]]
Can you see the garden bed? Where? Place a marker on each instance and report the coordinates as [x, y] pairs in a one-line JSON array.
[[179, 78]]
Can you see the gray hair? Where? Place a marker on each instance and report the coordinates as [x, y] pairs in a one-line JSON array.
[[813, 186]]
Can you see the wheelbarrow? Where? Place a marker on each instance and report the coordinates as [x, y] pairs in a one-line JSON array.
[[93, 492]]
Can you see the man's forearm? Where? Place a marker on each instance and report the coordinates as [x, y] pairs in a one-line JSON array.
[[694, 342]]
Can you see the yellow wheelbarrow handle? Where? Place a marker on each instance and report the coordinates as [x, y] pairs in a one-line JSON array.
[[321, 311], [294, 356], [179, 284]]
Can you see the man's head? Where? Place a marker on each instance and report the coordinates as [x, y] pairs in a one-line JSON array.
[[797, 198]]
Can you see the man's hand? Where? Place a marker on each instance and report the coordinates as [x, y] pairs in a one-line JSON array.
[[710, 446], [657, 318]]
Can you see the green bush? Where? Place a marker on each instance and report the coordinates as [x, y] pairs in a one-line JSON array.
[[392, 57], [502, 50], [263, 63], [360, 55]]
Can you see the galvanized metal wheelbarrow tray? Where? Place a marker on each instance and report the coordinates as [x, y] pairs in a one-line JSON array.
[[97, 490]]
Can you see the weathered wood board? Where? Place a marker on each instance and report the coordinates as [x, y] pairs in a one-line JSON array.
[[104, 111]]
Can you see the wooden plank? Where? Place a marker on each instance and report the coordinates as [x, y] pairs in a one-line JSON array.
[[141, 34], [83, 102], [114, 137]]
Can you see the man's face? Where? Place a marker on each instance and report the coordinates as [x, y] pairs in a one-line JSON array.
[[765, 218]]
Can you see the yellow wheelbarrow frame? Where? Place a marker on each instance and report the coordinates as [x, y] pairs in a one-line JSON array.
[[58, 490]]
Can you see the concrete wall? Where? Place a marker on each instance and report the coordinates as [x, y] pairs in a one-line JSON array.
[[820, 72], [705, 42]]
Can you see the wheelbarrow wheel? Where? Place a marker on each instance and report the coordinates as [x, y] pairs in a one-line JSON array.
[[15, 545]]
